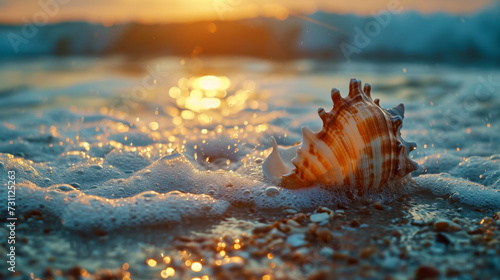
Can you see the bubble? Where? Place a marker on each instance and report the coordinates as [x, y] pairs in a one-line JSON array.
[[272, 191], [96, 166], [62, 188]]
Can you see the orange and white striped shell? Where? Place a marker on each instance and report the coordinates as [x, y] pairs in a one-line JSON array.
[[360, 145]]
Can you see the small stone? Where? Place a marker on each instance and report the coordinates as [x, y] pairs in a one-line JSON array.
[[262, 229], [292, 223], [324, 235], [396, 233], [451, 272], [339, 214], [299, 257], [442, 225], [378, 205], [352, 261], [355, 223], [319, 217], [326, 252], [418, 223], [455, 227], [341, 255], [497, 216], [367, 252], [425, 272], [364, 210], [443, 238], [477, 239], [327, 210], [296, 240], [276, 233], [319, 275]]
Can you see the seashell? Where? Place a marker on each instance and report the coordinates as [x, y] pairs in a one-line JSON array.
[[360, 145]]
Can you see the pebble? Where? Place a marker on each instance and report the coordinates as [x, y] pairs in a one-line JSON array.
[[296, 240], [292, 223], [378, 205], [364, 210], [326, 252], [355, 223], [497, 216], [319, 217], [324, 235], [443, 238], [418, 223], [397, 233], [451, 272], [425, 272], [365, 253], [341, 255], [275, 232], [442, 225]]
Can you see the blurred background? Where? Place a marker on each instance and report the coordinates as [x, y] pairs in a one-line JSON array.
[[437, 31]]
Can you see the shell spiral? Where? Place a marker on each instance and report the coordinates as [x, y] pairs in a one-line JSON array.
[[359, 145]]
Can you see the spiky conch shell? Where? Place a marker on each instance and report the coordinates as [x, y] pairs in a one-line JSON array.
[[360, 145]]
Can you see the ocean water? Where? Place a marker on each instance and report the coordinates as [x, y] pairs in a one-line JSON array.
[[115, 157]]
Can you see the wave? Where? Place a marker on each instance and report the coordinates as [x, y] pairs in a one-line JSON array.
[[341, 37]]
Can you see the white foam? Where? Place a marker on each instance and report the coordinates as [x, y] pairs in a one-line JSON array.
[[79, 211], [167, 191], [459, 189]]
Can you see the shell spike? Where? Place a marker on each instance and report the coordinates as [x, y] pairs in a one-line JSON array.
[[377, 102], [397, 122], [307, 134], [411, 165], [354, 87], [411, 146], [336, 97], [323, 115], [368, 89], [398, 110], [274, 167]]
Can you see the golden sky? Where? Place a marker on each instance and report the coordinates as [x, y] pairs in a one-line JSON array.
[[111, 11]]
